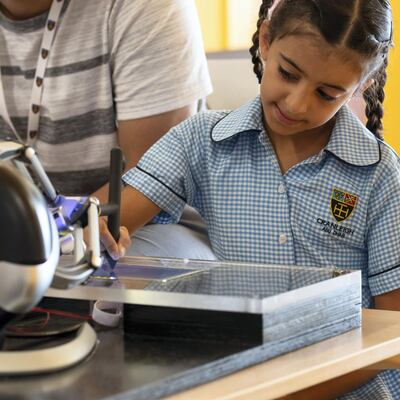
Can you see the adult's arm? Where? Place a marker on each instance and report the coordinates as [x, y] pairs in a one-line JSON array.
[[136, 136], [158, 70]]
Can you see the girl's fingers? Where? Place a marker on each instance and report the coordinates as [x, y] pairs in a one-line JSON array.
[[124, 240], [115, 250], [108, 241]]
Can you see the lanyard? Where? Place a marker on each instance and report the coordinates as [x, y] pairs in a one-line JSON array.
[[37, 88]]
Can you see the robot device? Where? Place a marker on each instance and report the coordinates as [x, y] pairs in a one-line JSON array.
[[38, 225]]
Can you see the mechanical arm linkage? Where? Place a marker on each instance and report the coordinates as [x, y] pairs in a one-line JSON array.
[[38, 225]]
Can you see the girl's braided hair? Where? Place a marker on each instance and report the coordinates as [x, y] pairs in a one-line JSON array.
[[364, 26]]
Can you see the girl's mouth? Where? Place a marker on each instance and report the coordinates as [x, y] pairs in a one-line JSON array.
[[282, 118]]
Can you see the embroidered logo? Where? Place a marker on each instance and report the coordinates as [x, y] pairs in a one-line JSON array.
[[342, 204]]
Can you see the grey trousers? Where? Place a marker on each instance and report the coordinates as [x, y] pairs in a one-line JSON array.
[[187, 239]]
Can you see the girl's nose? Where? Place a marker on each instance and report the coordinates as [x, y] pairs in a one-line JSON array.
[[297, 102]]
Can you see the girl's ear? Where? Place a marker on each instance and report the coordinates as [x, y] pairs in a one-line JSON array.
[[366, 85], [263, 40], [362, 88]]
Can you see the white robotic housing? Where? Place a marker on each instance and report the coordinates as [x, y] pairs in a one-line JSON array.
[[29, 250], [35, 224]]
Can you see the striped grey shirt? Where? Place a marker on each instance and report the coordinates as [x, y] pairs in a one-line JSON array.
[[111, 60]]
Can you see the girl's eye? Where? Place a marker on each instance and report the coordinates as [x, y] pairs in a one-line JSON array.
[[325, 96], [287, 75], [293, 78]]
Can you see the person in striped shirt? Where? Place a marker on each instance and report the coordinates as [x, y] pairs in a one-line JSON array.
[[119, 72]]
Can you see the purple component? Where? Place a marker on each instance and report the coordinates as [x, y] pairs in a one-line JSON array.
[[69, 210]]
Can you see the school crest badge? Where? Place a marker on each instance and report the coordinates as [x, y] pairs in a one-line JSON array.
[[342, 204]]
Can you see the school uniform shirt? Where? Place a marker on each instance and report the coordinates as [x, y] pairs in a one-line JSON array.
[[338, 208]]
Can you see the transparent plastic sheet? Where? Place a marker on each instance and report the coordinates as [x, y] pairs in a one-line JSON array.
[[210, 277]]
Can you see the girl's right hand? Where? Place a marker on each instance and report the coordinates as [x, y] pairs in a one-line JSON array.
[[116, 250]]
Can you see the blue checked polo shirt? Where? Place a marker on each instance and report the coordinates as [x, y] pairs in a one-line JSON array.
[[339, 208]]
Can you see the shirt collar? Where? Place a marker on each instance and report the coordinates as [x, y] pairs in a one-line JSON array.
[[352, 142], [247, 118]]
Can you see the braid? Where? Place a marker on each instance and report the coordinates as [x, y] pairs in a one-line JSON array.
[[374, 97], [254, 49]]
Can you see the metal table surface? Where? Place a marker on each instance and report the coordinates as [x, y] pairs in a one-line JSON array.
[[119, 364]]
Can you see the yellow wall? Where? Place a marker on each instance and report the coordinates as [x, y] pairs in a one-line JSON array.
[[212, 14], [227, 24], [223, 31], [392, 102]]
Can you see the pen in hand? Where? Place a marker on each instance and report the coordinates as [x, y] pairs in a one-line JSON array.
[[114, 198]]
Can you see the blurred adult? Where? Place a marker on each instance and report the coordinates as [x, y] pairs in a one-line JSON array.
[[80, 77]]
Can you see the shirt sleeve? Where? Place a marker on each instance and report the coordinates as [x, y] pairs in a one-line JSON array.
[[169, 173], [383, 236], [157, 57]]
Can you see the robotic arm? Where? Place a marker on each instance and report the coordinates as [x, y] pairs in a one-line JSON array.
[[37, 225], [29, 250]]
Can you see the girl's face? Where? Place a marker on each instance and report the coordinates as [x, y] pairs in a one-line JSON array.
[[305, 82]]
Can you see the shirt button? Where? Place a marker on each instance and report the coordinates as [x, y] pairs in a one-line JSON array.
[[282, 238], [281, 188]]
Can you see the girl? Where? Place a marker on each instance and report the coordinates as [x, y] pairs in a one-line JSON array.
[[293, 177]]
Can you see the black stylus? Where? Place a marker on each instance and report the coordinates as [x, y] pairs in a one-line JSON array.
[[114, 197]]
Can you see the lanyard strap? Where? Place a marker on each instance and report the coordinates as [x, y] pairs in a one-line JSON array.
[[37, 88]]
